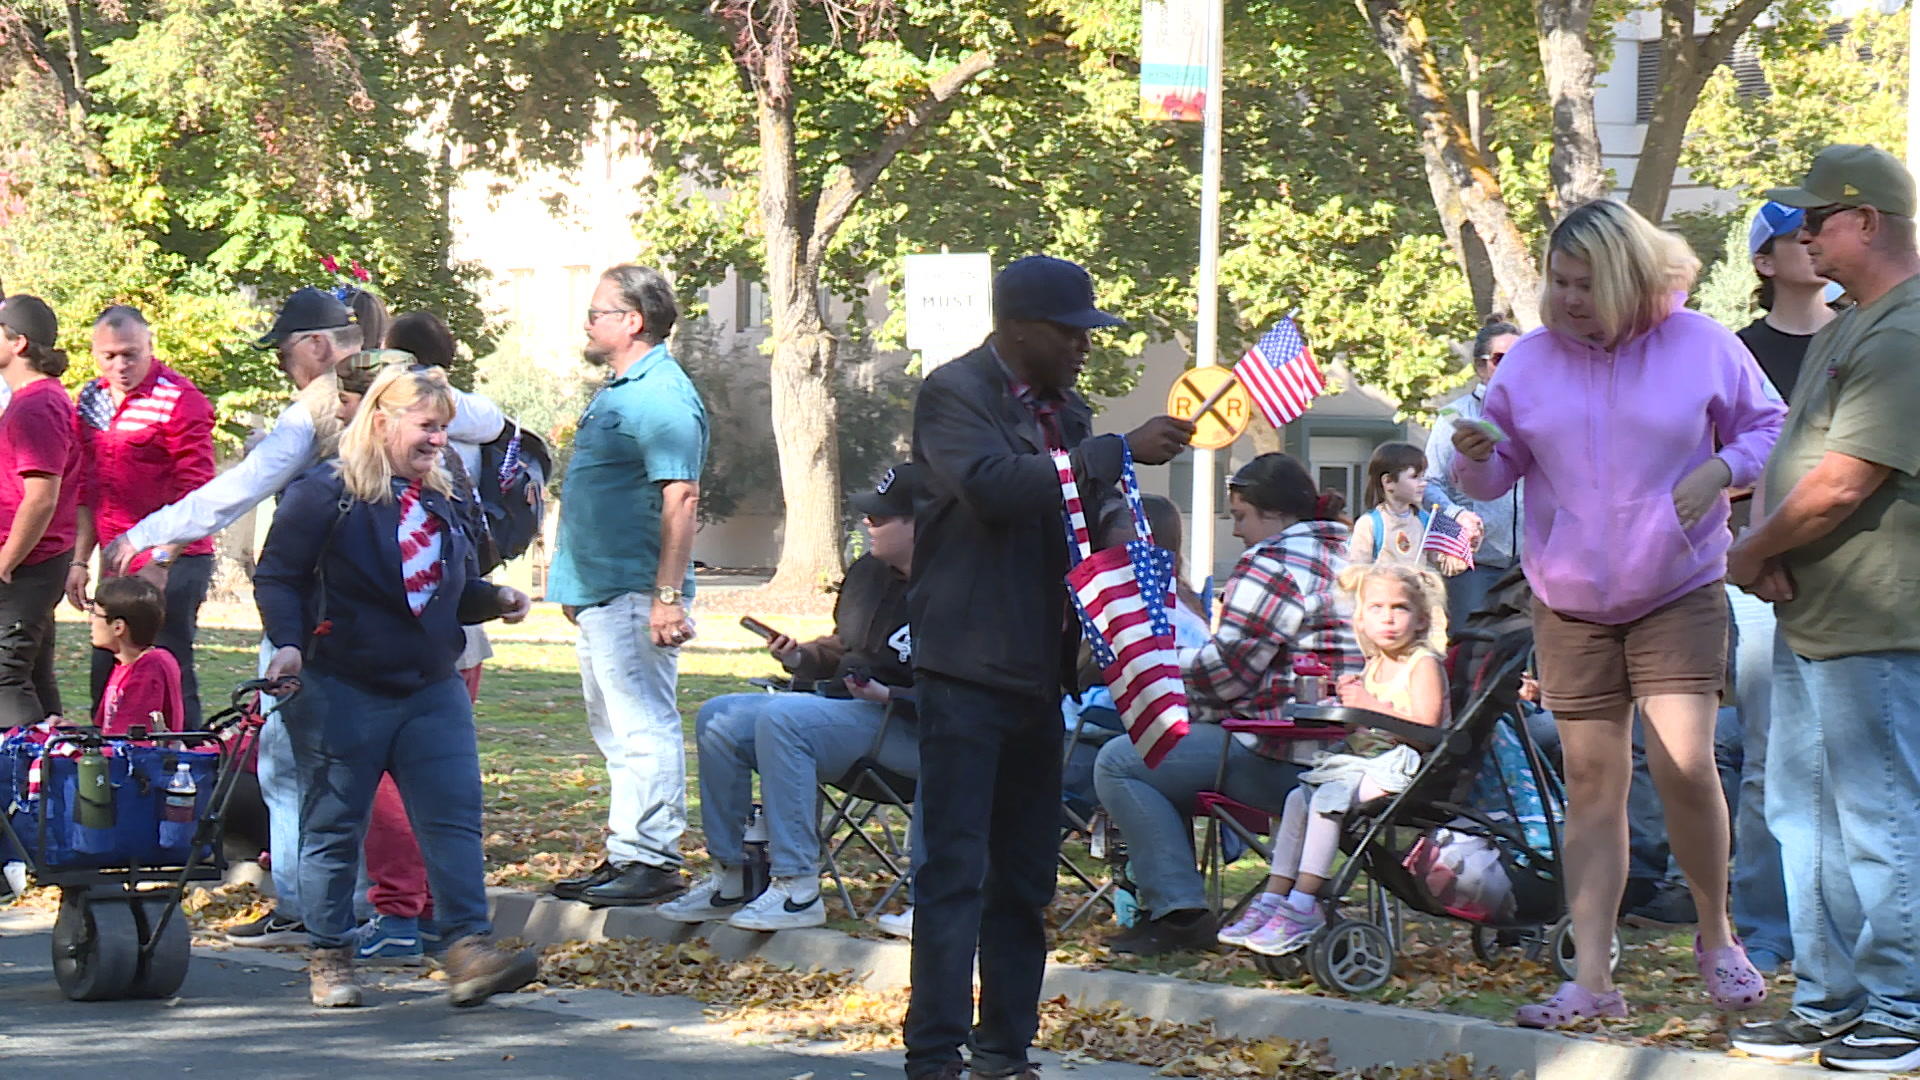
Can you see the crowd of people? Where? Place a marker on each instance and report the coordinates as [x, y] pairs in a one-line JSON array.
[[1718, 531]]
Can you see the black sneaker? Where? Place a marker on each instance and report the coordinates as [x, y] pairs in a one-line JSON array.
[[1671, 908], [1176, 931], [268, 931], [1786, 1039], [1873, 1048], [571, 888]]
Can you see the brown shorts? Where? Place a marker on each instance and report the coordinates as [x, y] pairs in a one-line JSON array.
[[1595, 670]]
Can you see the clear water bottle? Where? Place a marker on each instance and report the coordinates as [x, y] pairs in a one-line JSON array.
[[754, 874], [177, 813]]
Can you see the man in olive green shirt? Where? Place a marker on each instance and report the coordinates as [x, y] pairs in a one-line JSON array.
[[1838, 552]]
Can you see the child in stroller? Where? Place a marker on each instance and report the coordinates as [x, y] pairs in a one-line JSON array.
[[1400, 620]]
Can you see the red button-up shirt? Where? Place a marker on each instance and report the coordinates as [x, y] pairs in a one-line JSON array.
[[155, 447]]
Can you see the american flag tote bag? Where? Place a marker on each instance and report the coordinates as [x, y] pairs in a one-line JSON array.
[[1122, 595]]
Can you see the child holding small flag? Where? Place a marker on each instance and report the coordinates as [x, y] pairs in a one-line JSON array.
[[1398, 530]]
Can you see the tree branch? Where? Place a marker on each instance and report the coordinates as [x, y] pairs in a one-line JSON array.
[[848, 185], [79, 59]]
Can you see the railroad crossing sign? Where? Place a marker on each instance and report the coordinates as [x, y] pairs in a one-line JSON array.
[[1228, 408]]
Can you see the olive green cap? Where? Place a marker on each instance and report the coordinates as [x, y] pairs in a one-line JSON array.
[[1853, 176]]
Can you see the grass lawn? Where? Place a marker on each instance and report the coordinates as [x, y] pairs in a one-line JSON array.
[[547, 805]]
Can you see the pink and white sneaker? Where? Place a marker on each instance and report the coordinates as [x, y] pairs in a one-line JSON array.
[[1570, 1004], [1258, 912], [1732, 981], [1288, 931]]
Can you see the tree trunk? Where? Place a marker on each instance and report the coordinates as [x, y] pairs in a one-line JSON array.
[[1566, 54], [805, 414], [1463, 184], [1686, 64]]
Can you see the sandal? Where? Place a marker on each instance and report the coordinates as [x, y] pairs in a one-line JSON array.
[[1570, 1004], [1732, 981]]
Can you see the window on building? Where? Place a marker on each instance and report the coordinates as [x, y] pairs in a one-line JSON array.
[[1744, 60], [1340, 478]]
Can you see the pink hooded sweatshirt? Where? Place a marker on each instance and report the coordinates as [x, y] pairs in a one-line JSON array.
[[1601, 437]]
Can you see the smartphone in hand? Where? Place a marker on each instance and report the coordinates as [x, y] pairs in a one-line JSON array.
[[1486, 427], [753, 625]]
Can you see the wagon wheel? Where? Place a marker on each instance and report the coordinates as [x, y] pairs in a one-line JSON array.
[[165, 968], [96, 947]]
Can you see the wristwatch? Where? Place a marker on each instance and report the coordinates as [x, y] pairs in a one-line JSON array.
[[666, 594], [161, 556]]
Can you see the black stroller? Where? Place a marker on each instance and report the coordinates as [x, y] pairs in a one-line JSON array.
[[1475, 837]]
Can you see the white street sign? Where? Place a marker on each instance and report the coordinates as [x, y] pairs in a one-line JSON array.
[[949, 305]]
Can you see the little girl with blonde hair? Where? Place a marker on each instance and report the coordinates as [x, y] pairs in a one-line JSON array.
[[1400, 618]]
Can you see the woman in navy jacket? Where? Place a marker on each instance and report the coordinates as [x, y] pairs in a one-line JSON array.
[[363, 587]]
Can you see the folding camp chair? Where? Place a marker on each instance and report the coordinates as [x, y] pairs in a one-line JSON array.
[[1248, 824], [859, 810], [1083, 824]]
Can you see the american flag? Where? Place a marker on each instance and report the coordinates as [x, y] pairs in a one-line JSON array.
[[1446, 536], [510, 461], [1280, 373], [1121, 595]]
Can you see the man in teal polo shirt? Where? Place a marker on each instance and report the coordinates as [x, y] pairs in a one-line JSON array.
[[623, 574]]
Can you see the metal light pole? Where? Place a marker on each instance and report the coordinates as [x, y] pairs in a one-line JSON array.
[[1207, 335]]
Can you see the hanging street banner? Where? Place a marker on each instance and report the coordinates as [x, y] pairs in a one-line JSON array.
[[1173, 59], [949, 305]]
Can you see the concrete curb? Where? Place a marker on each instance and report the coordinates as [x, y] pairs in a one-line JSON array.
[[1358, 1033]]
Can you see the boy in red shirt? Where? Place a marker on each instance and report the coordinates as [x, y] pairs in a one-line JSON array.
[[145, 685], [39, 486]]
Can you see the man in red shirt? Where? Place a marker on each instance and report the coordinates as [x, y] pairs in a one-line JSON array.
[[39, 473], [146, 438]]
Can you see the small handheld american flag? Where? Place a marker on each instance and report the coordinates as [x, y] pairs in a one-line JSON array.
[[510, 461], [1447, 537], [1280, 374]]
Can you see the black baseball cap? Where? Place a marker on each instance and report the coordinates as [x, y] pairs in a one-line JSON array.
[[893, 495], [30, 317], [307, 309], [1041, 288]]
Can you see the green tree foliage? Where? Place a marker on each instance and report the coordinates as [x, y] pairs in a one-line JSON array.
[[1818, 94], [197, 158]]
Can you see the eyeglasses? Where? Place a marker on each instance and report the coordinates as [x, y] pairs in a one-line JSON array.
[[594, 313], [1816, 218], [94, 609], [1493, 358]]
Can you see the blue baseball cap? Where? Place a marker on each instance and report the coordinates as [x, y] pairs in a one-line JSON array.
[[1041, 288], [1771, 222]]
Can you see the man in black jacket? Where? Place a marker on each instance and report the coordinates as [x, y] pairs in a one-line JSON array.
[[994, 647]]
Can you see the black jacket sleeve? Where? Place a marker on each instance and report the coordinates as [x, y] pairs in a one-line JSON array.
[[967, 453], [290, 559]]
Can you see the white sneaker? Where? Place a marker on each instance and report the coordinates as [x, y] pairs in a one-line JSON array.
[[703, 903], [776, 909], [900, 925]]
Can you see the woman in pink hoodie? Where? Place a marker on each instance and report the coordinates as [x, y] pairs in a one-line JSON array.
[[1628, 417]]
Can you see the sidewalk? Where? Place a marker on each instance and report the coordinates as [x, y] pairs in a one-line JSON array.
[[1358, 1033]]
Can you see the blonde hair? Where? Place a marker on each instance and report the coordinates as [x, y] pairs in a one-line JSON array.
[[1636, 268], [1427, 590], [398, 389]]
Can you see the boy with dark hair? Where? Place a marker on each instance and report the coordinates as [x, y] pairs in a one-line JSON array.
[[127, 613]]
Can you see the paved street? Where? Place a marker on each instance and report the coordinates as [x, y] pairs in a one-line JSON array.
[[245, 1015]]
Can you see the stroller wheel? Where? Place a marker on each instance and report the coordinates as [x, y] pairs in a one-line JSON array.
[[1351, 956], [1494, 947], [1560, 949], [1284, 968]]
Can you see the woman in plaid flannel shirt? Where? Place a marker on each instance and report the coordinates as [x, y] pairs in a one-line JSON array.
[[1281, 602]]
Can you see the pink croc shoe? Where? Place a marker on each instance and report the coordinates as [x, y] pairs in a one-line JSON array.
[[1732, 981], [1571, 1003]]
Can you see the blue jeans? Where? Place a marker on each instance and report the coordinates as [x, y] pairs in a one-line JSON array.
[[1759, 883], [1843, 780], [628, 683], [796, 742], [280, 790], [1154, 807], [343, 739]]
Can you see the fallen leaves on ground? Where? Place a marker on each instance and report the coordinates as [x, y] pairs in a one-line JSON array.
[[753, 996]]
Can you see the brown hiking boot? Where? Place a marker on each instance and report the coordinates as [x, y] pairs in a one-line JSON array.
[[330, 982], [477, 969]]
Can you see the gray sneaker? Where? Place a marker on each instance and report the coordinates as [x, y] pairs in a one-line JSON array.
[[268, 931]]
